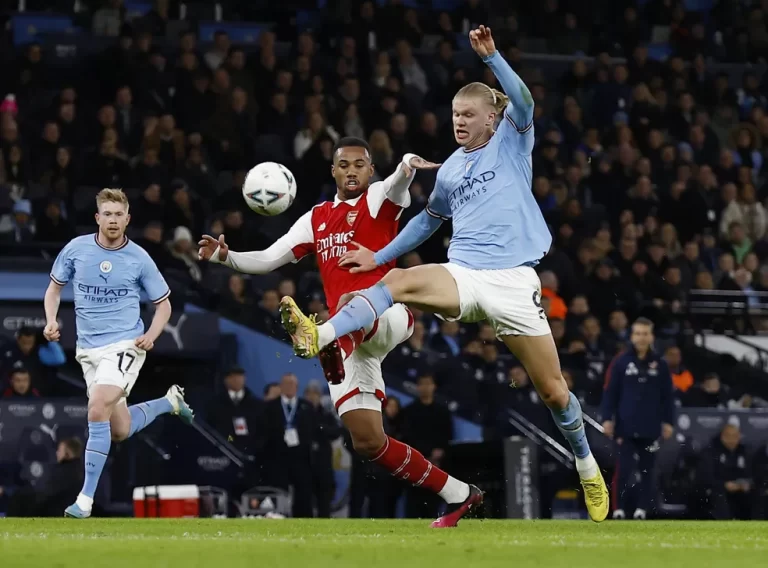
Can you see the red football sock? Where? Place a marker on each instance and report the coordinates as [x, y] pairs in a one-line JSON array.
[[348, 343], [405, 463]]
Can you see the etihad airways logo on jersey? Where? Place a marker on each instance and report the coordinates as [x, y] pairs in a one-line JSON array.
[[102, 294], [470, 189], [334, 245]]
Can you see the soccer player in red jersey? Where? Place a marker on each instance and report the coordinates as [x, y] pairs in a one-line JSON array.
[[365, 214]]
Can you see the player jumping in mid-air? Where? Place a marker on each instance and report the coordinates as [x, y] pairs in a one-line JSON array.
[[499, 235], [353, 365], [108, 272]]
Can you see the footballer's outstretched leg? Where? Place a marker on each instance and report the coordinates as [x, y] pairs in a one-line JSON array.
[[408, 464], [301, 328], [539, 357], [359, 400]]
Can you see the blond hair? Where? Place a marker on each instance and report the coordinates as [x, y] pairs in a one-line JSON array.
[[108, 195], [489, 96]]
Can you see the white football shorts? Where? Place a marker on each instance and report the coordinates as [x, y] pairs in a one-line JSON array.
[[117, 364], [509, 298], [363, 385]]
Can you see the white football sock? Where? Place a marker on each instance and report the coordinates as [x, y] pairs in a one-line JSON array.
[[587, 467], [325, 334], [84, 502], [454, 491]]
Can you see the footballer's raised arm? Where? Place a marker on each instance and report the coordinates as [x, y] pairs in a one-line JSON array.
[[395, 188], [293, 246], [520, 108]]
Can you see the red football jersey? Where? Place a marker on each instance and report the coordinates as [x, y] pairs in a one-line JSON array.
[[328, 229]]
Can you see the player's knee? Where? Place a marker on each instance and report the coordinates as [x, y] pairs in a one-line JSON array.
[[368, 443], [99, 411], [344, 299], [119, 433], [554, 393], [399, 283]]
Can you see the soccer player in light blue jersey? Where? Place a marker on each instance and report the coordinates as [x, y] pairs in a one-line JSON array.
[[499, 236], [108, 273]]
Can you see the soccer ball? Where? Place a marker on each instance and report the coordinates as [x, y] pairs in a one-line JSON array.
[[269, 189]]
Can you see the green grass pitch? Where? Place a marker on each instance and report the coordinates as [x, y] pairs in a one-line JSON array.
[[226, 543]]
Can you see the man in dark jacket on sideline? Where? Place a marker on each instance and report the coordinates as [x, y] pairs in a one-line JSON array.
[[638, 407]]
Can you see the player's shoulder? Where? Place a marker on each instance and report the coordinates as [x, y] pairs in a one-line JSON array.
[[136, 250], [457, 155], [83, 242], [318, 214], [623, 358]]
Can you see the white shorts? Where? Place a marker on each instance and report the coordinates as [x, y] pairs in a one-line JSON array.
[[363, 385], [117, 364], [509, 298]]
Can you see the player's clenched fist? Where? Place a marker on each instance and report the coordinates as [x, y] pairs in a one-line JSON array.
[[361, 259], [144, 342], [208, 246], [51, 331], [482, 41]]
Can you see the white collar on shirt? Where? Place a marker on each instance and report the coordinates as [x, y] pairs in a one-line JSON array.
[[286, 400], [350, 202], [236, 396]]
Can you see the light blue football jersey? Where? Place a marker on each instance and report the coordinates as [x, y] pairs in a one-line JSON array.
[[487, 192], [108, 285]]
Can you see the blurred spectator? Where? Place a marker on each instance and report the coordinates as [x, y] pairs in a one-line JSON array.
[[60, 488], [215, 56], [290, 430], [18, 227], [20, 385], [236, 304], [108, 20], [428, 428], [237, 414], [329, 429], [271, 392], [725, 472], [29, 352], [267, 315], [682, 378], [183, 250], [447, 341], [549, 289], [708, 394], [51, 226]]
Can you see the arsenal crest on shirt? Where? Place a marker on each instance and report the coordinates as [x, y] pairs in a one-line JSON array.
[[351, 216]]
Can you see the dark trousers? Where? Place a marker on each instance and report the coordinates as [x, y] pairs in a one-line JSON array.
[[296, 476], [23, 503], [380, 490], [726, 506], [324, 489], [634, 458]]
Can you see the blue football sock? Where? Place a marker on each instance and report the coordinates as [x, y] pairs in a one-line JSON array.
[[96, 452], [362, 310], [571, 424], [144, 413]]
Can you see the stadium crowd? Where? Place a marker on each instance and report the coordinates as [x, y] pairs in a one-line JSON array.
[[652, 174]]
